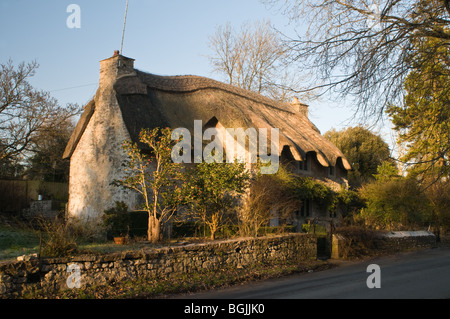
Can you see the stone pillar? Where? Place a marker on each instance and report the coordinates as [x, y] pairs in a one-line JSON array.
[[336, 246]]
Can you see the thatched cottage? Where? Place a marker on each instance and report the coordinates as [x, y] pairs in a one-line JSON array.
[[128, 100]]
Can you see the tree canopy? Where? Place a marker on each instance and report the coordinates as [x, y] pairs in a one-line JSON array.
[[363, 149], [423, 121]]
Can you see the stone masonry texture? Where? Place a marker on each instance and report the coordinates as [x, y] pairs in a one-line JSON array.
[[51, 274]]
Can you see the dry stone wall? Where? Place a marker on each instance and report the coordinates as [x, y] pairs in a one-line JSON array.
[[387, 242], [56, 274], [405, 240]]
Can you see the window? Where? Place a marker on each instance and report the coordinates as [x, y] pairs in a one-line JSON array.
[[304, 165], [306, 208], [331, 171]]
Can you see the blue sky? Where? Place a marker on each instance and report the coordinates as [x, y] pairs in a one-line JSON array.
[[164, 37]]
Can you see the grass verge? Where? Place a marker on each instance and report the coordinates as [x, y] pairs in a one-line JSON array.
[[16, 242]]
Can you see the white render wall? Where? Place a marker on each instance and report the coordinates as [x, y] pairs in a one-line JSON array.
[[96, 161]]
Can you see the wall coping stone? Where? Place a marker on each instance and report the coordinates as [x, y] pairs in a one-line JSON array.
[[410, 233]]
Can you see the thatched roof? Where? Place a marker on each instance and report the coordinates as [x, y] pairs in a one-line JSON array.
[[148, 100], [79, 129]]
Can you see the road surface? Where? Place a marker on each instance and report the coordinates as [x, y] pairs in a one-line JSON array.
[[420, 274]]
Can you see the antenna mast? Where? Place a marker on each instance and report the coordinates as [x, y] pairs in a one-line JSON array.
[[123, 31]]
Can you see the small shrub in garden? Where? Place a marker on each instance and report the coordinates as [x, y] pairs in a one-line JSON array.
[[57, 239], [117, 220], [358, 241]]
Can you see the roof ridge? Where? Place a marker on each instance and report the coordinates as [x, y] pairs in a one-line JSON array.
[[190, 83]]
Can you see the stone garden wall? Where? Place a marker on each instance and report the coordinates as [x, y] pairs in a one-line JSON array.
[[388, 242], [405, 240], [54, 274]]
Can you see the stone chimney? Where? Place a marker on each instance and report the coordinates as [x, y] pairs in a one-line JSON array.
[[97, 158], [299, 107], [113, 67]]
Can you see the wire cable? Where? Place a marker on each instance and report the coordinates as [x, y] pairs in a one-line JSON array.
[[73, 87], [123, 31]]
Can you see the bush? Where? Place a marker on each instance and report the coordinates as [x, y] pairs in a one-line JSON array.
[[395, 203], [138, 223], [58, 240], [349, 203], [439, 196], [358, 241], [117, 220]]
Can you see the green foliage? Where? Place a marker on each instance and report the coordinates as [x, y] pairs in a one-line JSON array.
[[349, 203], [152, 175], [117, 220], [423, 122], [207, 190], [211, 191], [395, 203], [309, 188], [386, 171], [155, 177], [438, 195], [303, 187], [363, 149], [47, 162], [209, 183]]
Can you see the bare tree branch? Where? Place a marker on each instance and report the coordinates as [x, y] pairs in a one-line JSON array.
[[24, 111], [361, 48], [253, 59]]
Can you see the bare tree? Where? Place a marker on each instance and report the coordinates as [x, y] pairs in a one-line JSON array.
[[25, 111], [363, 48], [269, 196], [46, 161], [253, 59]]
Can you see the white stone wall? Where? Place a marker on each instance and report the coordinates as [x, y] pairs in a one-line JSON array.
[[96, 161]]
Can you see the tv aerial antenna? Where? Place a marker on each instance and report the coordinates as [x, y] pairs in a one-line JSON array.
[[124, 24]]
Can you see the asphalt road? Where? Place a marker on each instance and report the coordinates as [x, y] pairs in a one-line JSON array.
[[415, 275]]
